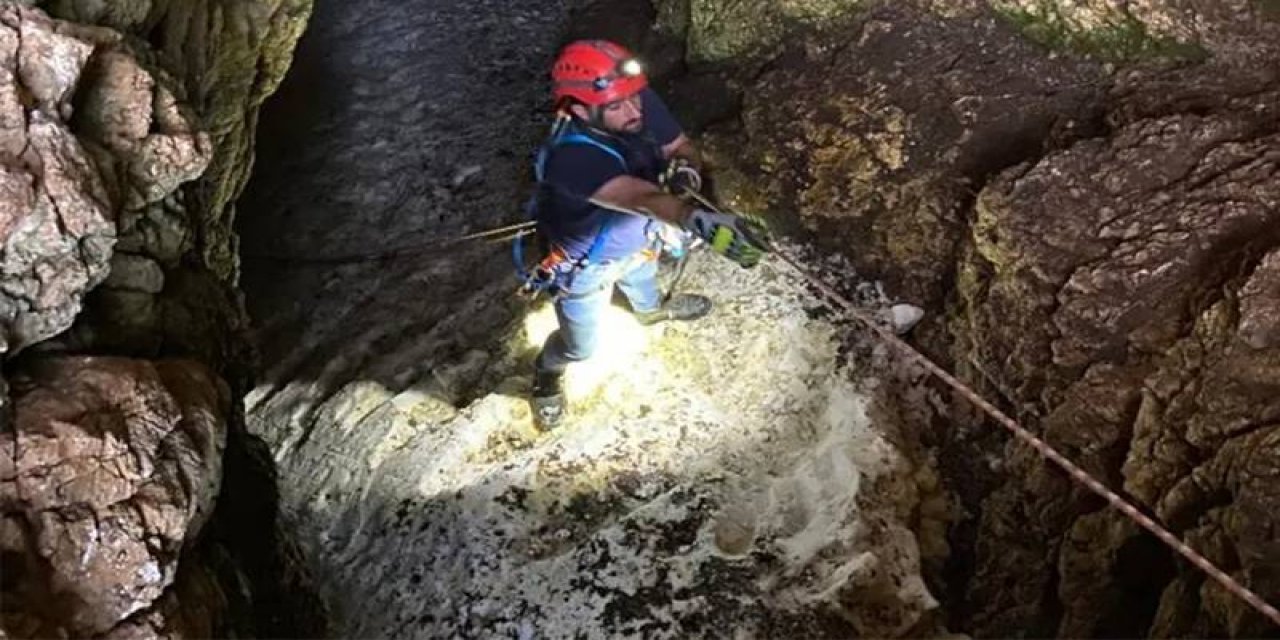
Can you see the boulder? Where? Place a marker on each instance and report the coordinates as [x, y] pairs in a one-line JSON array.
[[109, 472]]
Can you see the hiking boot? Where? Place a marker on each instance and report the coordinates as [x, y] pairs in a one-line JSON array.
[[547, 401], [682, 306]]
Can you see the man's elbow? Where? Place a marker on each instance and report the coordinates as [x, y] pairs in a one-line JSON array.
[[682, 146]]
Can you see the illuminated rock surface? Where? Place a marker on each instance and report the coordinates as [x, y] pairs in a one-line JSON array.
[[718, 478]]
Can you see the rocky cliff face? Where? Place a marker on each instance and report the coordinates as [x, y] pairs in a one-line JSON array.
[[1086, 194], [125, 131], [1126, 312]]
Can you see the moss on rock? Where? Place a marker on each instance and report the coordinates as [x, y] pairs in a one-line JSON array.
[[718, 31], [1101, 30]]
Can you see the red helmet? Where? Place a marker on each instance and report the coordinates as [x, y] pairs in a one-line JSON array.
[[596, 72]]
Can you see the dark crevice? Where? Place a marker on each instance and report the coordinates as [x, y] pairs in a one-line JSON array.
[[280, 602], [1144, 566]]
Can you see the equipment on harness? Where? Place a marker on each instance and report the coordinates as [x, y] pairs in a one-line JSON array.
[[595, 73], [679, 175]]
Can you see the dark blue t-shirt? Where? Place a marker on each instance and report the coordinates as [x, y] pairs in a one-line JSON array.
[[573, 172]]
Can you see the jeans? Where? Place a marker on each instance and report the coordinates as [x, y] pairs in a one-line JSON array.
[[588, 295]]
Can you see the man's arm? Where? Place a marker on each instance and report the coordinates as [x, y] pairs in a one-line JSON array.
[[635, 194], [725, 233], [682, 147]]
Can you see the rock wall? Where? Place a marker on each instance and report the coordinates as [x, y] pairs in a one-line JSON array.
[[125, 133], [1116, 287], [1085, 193], [174, 291], [91, 141], [111, 467]]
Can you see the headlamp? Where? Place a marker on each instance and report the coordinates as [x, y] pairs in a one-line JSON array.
[[628, 68]]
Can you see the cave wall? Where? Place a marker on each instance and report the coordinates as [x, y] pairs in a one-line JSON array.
[[1085, 195], [1114, 288], [126, 133]]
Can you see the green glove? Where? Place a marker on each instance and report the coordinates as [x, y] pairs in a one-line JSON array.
[[740, 239]]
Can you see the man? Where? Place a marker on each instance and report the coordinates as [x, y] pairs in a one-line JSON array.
[[613, 140]]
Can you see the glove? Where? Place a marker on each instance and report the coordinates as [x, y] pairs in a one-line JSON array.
[[742, 240], [679, 176], [674, 240]]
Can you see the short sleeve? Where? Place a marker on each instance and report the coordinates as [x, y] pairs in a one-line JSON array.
[[579, 170], [658, 120]]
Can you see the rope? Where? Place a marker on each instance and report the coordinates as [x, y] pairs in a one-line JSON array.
[[493, 235], [1078, 474], [843, 304]]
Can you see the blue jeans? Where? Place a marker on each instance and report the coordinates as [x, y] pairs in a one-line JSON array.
[[588, 294]]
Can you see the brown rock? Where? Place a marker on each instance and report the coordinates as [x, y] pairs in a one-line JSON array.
[[1115, 286], [115, 466], [870, 141], [168, 114], [70, 173], [1260, 305], [1124, 255]]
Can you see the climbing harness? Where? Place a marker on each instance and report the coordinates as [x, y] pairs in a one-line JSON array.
[[554, 273], [841, 303]]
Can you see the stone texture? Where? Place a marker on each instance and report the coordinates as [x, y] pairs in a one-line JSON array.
[[725, 479], [227, 58], [167, 113], [719, 32], [1108, 282], [1101, 239], [56, 221], [1242, 33], [134, 272], [872, 143], [131, 123], [111, 467], [75, 171]]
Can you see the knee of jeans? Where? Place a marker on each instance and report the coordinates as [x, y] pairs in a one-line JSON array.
[[558, 351], [580, 348]]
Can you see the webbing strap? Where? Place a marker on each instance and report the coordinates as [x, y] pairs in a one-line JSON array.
[[560, 137]]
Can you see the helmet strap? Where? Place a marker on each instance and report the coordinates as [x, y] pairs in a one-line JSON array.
[[596, 119]]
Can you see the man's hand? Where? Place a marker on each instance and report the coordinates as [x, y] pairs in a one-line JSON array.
[[737, 238], [680, 175]]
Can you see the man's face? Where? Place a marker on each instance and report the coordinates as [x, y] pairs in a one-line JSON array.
[[623, 116]]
